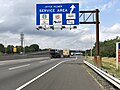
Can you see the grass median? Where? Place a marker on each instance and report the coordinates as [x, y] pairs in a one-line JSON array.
[[109, 65]]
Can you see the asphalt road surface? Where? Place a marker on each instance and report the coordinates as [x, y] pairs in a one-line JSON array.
[[46, 74]]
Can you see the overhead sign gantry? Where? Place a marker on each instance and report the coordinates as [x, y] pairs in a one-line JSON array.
[[67, 14]]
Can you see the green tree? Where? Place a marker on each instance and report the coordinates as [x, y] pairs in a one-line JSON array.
[[9, 49], [27, 49], [107, 48], [34, 48], [88, 52], [2, 48]]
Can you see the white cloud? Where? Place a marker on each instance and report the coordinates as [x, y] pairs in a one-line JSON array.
[[75, 40], [18, 16], [115, 29], [108, 5], [118, 10], [1, 20], [110, 32]]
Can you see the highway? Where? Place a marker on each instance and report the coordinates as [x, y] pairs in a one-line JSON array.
[[46, 74]]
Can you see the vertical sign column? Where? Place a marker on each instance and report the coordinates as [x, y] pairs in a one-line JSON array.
[[117, 54]]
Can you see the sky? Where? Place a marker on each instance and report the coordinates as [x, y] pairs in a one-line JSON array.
[[18, 16]]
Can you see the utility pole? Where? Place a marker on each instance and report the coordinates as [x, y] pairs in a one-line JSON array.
[[22, 39]]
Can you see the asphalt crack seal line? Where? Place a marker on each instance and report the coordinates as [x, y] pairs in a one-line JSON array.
[[27, 83]]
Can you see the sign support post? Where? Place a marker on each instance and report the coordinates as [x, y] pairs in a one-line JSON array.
[[95, 20]]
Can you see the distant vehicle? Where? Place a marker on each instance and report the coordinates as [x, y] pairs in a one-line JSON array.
[[78, 53], [21, 53], [54, 53], [72, 54], [66, 53]]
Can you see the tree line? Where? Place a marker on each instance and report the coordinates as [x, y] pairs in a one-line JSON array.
[[19, 49], [107, 48]]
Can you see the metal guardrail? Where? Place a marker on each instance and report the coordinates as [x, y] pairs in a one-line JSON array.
[[108, 77]]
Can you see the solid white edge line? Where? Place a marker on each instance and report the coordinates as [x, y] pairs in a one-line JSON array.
[[19, 67], [24, 85]]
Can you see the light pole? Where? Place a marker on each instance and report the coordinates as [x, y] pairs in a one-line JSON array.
[[22, 40], [5, 47], [91, 44], [24, 46]]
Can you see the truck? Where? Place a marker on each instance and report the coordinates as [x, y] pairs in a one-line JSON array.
[[66, 53], [54, 53]]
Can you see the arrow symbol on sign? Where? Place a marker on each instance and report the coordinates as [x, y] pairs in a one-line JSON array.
[[72, 8]]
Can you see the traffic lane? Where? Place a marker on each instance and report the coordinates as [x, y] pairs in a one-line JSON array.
[[13, 69], [78, 57], [18, 62], [21, 60], [24, 62], [5, 69], [68, 76], [12, 57], [17, 77]]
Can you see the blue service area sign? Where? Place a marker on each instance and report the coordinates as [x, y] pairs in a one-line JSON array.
[[64, 14]]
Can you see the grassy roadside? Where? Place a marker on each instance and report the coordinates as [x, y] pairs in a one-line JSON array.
[[109, 65]]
